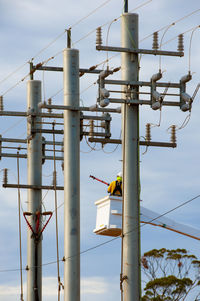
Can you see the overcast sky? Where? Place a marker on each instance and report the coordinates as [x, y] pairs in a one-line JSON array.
[[169, 177]]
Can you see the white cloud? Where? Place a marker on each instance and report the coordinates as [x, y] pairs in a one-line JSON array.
[[90, 286], [94, 285]]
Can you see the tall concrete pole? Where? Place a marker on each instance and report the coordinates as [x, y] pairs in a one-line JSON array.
[[71, 176], [34, 161], [130, 126]]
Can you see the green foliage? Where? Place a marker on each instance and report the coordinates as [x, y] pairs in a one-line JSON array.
[[172, 274]]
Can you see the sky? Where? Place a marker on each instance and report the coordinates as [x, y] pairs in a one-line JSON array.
[[169, 177]]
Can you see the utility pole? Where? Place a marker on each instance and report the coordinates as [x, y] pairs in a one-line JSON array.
[[130, 148], [34, 167], [74, 130], [71, 176]]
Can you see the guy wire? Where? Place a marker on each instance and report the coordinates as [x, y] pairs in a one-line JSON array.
[[20, 234], [56, 212]]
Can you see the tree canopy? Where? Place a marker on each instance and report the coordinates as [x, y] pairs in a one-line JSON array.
[[170, 275]]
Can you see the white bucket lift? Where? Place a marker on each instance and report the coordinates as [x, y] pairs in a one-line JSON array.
[[109, 216], [109, 219]]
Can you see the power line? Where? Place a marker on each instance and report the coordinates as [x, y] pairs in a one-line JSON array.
[[173, 23], [52, 42], [91, 13], [88, 34], [107, 23], [111, 240]]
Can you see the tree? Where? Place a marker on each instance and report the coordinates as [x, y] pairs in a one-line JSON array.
[[170, 275]]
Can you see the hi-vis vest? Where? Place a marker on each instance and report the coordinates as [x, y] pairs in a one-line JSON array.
[[115, 188]]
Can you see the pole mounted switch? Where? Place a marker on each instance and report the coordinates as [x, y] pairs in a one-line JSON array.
[[185, 99], [156, 97], [103, 93]]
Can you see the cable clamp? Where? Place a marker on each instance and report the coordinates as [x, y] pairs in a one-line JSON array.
[[122, 278]]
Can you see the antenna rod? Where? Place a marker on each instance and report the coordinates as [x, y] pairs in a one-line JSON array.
[[125, 6], [69, 38]]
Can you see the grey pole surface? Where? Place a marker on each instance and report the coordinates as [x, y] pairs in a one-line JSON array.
[[71, 177], [130, 142], [34, 162]]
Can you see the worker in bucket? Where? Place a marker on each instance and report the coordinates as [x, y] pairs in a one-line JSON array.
[[115, 187]]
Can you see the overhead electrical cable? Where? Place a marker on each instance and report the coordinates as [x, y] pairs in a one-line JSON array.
[[168, 27], [175, 22], [13, 72], [48, 45], [91, 13], [28, 74], [189, 69], [13, 125], [52, 42], [109, 241], [107, 23]]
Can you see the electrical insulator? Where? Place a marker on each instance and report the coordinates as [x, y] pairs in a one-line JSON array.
[[148, 132], [62, 164], [104, 102], [43, 150], [81, 126], [98, 37], [5, 176], [155, 45], [49, 103], [107, 124], [54, 178], [0, 146], [156, 97], [173, 134], [180, 43], [185, 99], [91, 132], [104, 93], [1, 103]]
